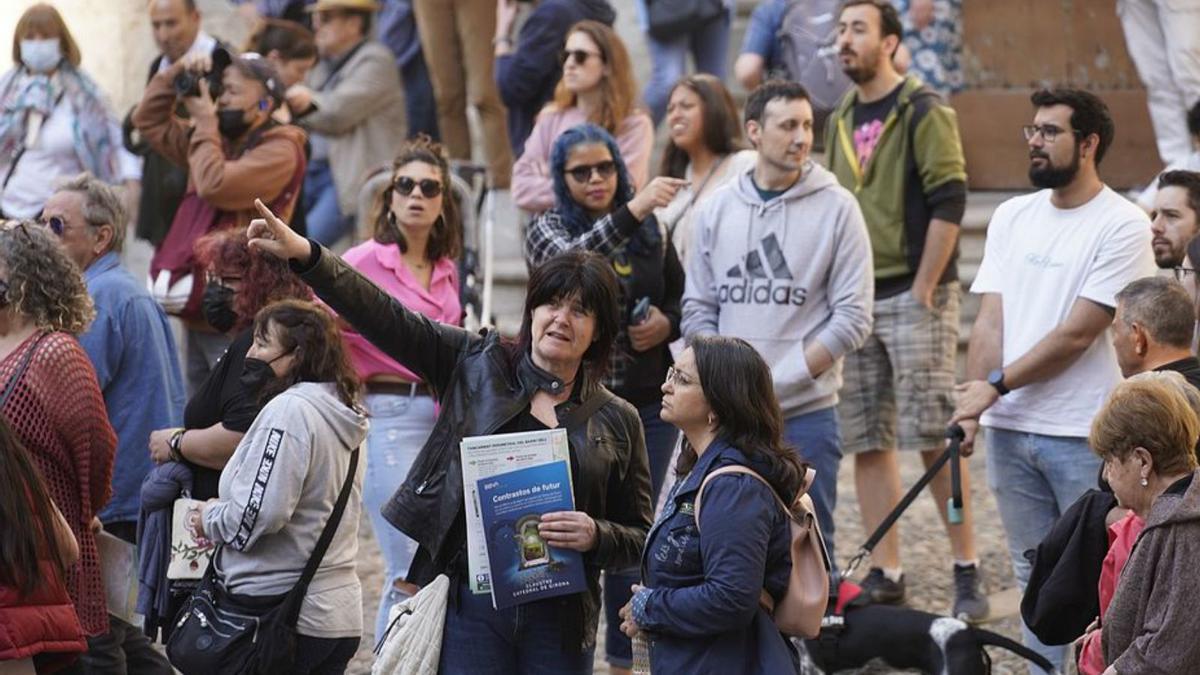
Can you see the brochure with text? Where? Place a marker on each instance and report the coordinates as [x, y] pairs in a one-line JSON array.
[[486, 456], [523, 566]]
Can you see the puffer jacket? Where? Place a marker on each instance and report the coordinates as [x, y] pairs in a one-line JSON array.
[[481, 385], [41, 623]]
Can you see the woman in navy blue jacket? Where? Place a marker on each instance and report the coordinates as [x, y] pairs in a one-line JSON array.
[[699, 606]]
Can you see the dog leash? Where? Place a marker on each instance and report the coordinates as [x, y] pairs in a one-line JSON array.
[[954, 505]]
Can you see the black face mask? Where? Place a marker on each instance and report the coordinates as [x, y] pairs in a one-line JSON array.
[[217, 306], [232, 123], [256, 373]]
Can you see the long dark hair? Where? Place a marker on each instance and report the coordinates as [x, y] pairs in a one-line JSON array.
[[738, 387], [445, 239], [591, 277], [310, 334], [29, 517], [722, 130]]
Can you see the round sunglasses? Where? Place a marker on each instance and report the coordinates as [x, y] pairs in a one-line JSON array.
[[429, 187]]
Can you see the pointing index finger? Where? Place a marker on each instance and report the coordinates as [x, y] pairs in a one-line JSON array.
[[271, 218]]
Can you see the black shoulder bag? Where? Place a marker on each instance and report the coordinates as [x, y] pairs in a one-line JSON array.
[[216, 632]]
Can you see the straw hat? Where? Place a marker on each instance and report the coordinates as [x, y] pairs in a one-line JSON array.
[[322, 5]]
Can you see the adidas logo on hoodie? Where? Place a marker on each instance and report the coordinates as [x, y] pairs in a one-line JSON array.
[[745, 285]]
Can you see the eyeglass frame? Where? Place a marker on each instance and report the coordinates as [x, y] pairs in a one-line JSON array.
[[606, 169], [1031, 130], [565, 54], [677, 378]]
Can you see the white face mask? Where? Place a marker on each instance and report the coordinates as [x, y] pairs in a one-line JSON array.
[[41, 56]]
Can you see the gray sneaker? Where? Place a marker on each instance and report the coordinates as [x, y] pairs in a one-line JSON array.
[[970, 604], [881, 590]]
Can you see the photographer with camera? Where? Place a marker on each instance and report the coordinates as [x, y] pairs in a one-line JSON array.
[[234, 152]]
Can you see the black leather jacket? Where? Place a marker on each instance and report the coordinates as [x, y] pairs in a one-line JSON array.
[[481, 385]]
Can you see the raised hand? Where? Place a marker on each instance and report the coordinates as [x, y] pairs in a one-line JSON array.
[[272, 236]]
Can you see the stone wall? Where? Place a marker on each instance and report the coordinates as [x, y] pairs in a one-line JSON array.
[[114, 37]]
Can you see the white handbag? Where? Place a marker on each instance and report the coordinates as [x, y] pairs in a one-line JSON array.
[[412, 644]]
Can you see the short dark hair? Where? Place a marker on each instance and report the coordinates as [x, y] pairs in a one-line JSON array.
[[1193, 119], [889, 18], [290, 39], [1161, 306], [1188, 180], [769, 91], [591, 277], [1089, 114]]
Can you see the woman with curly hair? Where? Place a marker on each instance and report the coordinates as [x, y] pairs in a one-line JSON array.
[[412, 256], [55, 405], [240, 283]]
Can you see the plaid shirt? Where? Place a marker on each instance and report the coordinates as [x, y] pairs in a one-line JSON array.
[[547, 235]]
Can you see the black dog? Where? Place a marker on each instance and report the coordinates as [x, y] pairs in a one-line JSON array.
[[908, 638]]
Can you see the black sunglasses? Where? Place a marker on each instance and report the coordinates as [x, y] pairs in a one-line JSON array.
[[429, 187], [580, 55], [56, 225], [583, 172]]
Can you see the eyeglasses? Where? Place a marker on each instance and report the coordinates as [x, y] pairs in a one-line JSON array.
[[1183, 273], [580, 55], [429, 187], [583, 172], [1049, 132], [226, 281], [678, 378], [56, 225]]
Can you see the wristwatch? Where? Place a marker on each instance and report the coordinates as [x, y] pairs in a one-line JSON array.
[[996, 379]]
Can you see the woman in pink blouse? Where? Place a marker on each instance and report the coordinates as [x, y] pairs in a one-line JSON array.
[[597, 86], [413, 257]]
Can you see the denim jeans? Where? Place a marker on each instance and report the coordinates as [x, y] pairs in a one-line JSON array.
[[419, 103], [709, 47], [400, 425], [817, 437], [525, 639], [323, 217], [1035, 478], [660, 443]]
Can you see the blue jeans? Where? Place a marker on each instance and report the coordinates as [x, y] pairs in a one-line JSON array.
[[817, 437], [526, 639], [323, 216], [400, 425], [709, 47], [1035, 478], [660, 443], [419, 103]]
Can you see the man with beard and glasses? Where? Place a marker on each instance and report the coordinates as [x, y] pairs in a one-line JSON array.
[[894, 143], [1174, 221], [235, 153], [1041, 359]]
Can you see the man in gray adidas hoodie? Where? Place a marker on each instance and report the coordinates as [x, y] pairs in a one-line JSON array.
[[782, 260]]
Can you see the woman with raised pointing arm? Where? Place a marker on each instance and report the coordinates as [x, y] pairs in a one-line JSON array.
[[486, 385]]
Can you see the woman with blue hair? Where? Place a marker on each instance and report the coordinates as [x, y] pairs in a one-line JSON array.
[[596, 210]]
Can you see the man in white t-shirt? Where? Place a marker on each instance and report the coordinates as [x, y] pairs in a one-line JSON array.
[[1041, 359]]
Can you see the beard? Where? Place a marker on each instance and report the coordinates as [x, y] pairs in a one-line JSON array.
[[866, 68], [1054, 177]]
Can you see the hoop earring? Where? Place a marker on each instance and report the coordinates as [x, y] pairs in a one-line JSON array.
[[391, 217]]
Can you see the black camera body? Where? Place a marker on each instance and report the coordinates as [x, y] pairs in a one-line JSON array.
[[187, 83]]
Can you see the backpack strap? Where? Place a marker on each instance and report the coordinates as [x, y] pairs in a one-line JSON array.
[[764, 598]]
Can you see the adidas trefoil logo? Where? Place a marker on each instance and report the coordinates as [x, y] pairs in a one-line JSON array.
[[752, 271]]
